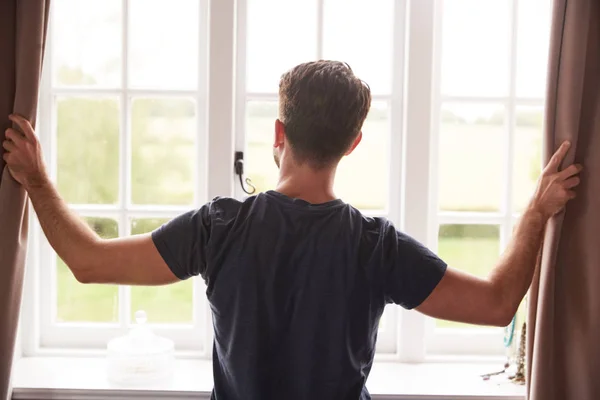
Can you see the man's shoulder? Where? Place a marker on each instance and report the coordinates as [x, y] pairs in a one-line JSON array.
[[224, 201], [378, 223], [221, 206]]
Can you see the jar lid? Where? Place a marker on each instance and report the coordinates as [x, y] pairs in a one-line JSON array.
[[140, 340]]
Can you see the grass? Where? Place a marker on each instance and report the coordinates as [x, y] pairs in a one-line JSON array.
[[100, 303], [474, 255]]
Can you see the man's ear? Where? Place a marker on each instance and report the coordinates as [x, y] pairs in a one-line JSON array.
[[279, 133], [355, 143]]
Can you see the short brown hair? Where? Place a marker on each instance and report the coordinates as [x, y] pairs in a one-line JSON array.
[[323, 106]]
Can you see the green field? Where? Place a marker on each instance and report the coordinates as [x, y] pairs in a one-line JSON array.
[[100, 303], [472, 254]]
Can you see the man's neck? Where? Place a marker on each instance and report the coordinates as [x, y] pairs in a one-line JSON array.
[[303, 182]]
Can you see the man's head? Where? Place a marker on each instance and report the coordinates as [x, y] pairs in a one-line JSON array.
[[322, 107]]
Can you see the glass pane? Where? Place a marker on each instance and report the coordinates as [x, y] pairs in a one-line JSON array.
[[363, 177], [163, 151], [76, 302], [471, 157], [163, 43], [532, 47], [280, 35], [366, 47], [475, 47], [88, 150], [527, 165], [471, 248], [87, 42], [163, 304], [260, 136]]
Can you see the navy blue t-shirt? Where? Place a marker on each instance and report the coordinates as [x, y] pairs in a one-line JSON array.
[[296, 291]]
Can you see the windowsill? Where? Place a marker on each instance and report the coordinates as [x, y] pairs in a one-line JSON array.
[[84, 378]]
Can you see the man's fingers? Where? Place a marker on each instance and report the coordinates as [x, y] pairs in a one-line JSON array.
[[571, 182], [14, 135], [8, 145], [571, 170], [559, 156], [24, 124]]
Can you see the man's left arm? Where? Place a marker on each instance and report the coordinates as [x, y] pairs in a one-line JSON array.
[[127, 261], [132, 261]]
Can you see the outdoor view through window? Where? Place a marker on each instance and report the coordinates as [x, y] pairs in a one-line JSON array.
[[125, 109]]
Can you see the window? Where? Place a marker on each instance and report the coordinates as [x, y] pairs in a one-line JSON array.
[[489, 113], [123, 104], [144, 102]]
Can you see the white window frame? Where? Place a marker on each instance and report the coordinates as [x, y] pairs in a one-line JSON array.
[[221, 98], [444, 342], [42, 335]]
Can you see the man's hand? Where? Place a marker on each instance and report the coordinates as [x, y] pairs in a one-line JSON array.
[[555, 188], [494, 300], [24, 154]]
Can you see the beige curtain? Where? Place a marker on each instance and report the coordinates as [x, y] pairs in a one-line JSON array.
[[564, 303], [23, 25]]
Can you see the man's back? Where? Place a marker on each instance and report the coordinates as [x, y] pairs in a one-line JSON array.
[[296, 290]]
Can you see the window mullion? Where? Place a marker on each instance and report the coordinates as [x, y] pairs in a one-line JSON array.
[[511, 126], [200, 192], [264, 96], [47, 132], [40, 296], [416, 209], [241, 45], [469, 218], [434, 220], [221, 104], [389, 339], [200, 307], [125, 159], [220, 98], [320, 27]]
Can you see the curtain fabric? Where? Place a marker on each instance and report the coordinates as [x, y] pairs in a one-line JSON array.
[[23, 26], [564, 302]]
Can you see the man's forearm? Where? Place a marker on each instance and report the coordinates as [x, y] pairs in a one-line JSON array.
[[514, 273], [69, 235]]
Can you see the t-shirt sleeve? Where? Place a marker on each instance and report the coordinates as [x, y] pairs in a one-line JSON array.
[[183, 242], [413, 271]]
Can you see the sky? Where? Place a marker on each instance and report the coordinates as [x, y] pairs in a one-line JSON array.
[[164, 36]]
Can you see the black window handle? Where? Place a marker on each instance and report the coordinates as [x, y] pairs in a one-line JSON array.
[[238, 165]]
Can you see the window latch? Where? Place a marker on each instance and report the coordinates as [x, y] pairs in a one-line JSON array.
[[238, 165]]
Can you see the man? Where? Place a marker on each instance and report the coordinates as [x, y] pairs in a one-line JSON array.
[[297, 279]]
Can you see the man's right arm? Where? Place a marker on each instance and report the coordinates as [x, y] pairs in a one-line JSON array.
[[494, 300]]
